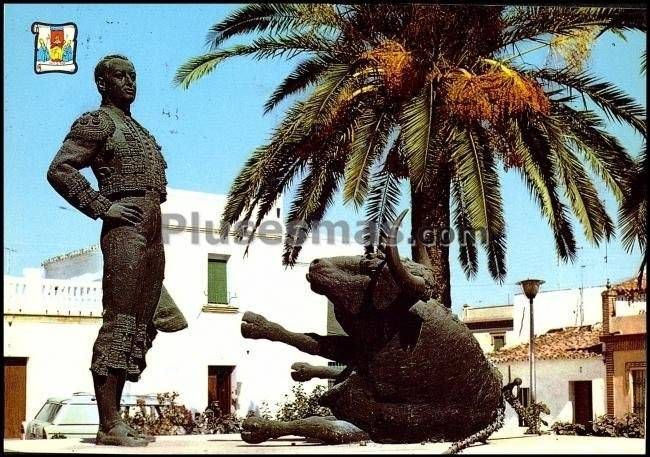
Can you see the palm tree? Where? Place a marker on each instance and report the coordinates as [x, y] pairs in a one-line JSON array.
[[633, 212], [439, 96]]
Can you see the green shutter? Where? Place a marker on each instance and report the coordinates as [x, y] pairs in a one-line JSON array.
[[217, 285]]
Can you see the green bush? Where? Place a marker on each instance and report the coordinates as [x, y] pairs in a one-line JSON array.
[[629, 426], [605, 426], [264, 411], [567, 428], [174, 419], [302, 405], [212, 421]]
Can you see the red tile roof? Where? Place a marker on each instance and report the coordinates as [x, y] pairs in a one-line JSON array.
[[568, 343], [630, 288]]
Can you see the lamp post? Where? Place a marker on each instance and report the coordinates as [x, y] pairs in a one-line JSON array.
[[530, 288]]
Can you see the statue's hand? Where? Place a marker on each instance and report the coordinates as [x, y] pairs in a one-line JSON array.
[[126, 212]]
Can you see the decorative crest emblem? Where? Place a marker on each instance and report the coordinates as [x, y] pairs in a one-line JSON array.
[[55, 47]]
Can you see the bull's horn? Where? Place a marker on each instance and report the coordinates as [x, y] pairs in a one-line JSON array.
[[402, 276]]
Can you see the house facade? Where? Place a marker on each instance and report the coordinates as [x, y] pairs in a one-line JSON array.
[[492, 326], [624, 342], [569, 374], [52, 314], [577, 376]]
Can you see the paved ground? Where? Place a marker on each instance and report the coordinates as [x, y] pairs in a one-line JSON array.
[[503, 442]]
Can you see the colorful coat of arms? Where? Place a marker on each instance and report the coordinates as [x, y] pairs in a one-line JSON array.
[[55, 47]]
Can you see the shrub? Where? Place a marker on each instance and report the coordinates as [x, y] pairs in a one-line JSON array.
[[302, 405], [212, 421], [567, 428], [264, 411], [629, 426], [174, 419], [605, 426]]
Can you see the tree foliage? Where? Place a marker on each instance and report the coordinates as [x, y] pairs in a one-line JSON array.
[[389, 92]]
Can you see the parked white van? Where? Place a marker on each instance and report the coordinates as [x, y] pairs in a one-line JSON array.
[[77, 416]]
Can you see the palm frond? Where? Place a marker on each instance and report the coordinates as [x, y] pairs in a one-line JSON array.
[[380, 208], [313, 197], [633, 212], [613, 101], [242, 191], [467, 252], [274, 18], [305, 74], [580, 191], [261, 48], [643, 63], [269, 170], [539, 173], [418, 123], [370, 134], [197, 67], [604, 153], [531, 22], [476, 172], [324, 103]]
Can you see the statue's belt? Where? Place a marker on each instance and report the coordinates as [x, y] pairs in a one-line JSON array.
[[133, 193]]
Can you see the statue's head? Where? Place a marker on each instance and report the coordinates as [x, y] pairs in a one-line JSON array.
[[375, 280], [115, 79]]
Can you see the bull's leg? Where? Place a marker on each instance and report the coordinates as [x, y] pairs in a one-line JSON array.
[[326, 429], [304, 372], [337, 348]]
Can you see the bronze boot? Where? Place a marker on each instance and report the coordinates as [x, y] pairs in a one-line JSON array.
[[120, 435], [149, 438]]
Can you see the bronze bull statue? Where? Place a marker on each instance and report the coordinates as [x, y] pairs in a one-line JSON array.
[[413, 372]]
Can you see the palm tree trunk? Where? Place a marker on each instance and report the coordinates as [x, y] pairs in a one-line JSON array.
[[430, 229]]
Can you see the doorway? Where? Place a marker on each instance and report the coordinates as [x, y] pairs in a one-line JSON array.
[[582, 403], [15, 395], [220, 387]]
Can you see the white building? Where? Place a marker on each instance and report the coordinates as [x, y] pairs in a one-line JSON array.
[[492, 326], [52, 315], [570, 374], [570, 368]]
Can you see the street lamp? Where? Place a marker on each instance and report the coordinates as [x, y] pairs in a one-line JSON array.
[[530, 288]]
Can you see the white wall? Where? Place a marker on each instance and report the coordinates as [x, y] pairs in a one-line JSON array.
[[484, 338], [553, 388], [59, 354], [556, 309], [261, 284], [629, 308], [86, 265]]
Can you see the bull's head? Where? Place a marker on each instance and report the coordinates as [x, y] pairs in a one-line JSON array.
[[373, 281]]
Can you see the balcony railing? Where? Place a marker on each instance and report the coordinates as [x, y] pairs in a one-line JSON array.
[[23, 295]]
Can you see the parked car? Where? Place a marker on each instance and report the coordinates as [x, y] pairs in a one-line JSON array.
[[77, 416]]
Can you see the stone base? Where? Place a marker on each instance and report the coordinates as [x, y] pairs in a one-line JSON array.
[[505, 441]]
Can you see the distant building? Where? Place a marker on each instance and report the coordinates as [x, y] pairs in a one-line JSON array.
[[569, 373], [491, 325], [577, 376]]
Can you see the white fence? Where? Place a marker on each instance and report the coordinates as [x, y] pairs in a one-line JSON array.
[[52, 296]]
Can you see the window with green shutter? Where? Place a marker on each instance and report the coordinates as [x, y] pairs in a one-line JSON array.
[[217, 284]]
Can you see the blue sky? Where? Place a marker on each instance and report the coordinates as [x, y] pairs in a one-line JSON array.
[[209, 130]]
